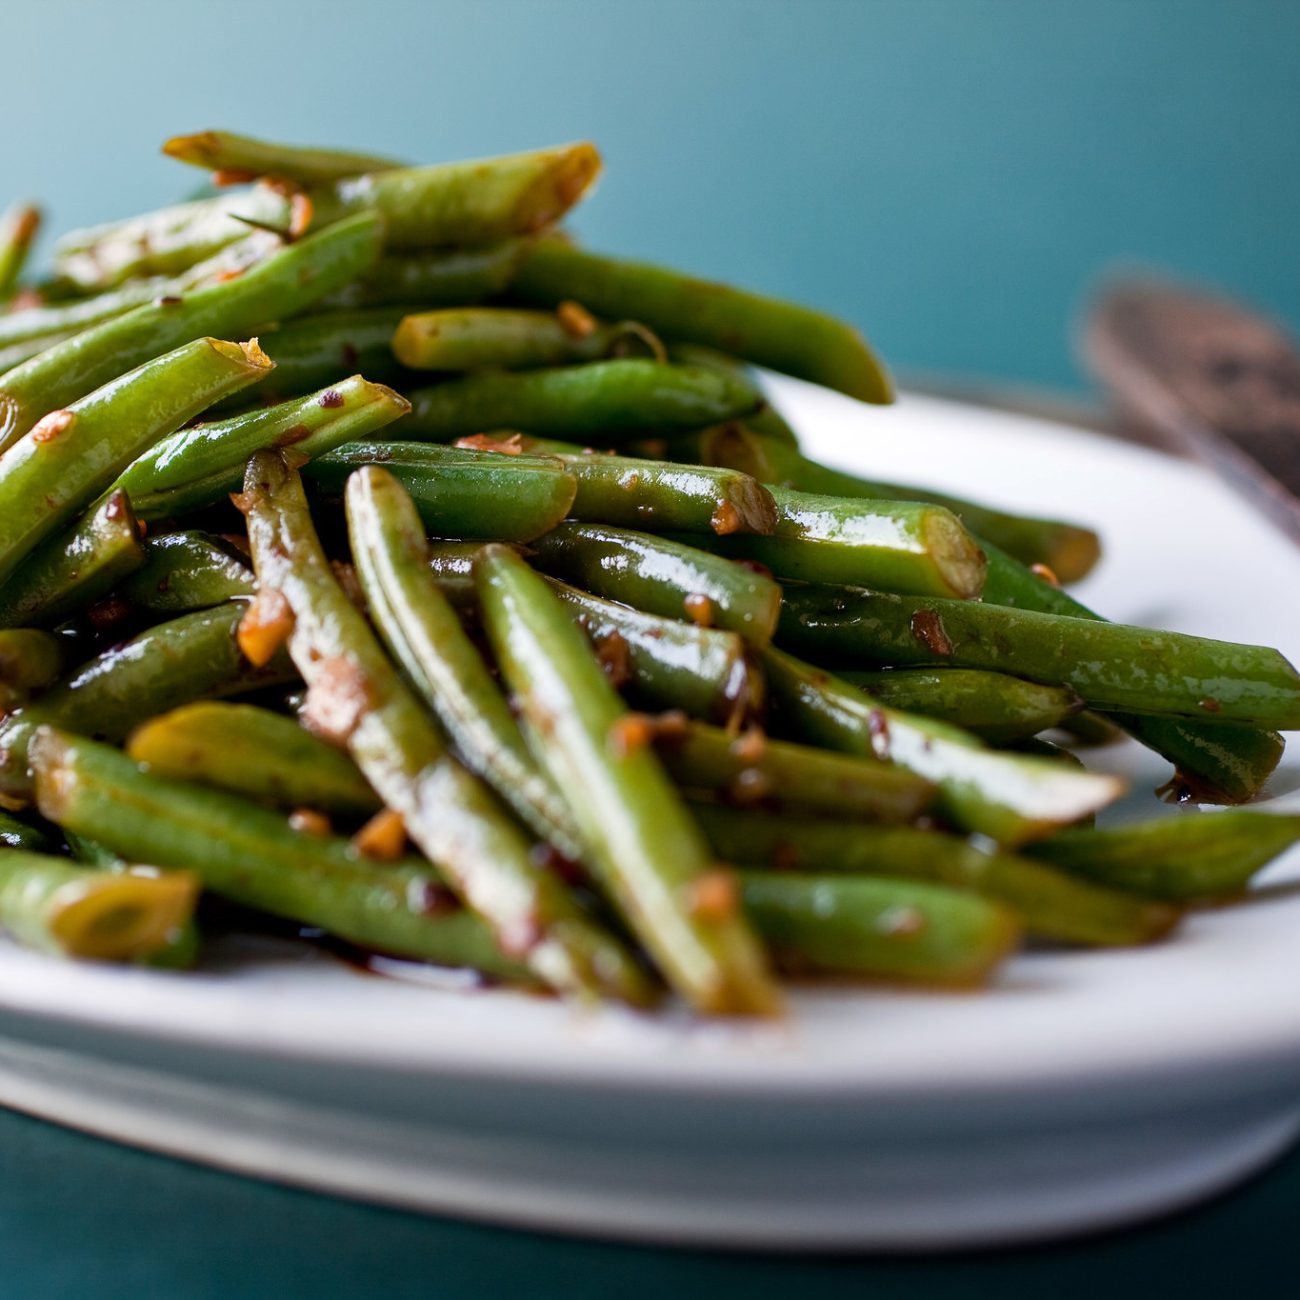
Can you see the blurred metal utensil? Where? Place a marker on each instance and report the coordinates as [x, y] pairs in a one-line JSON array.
[[1215, 380]]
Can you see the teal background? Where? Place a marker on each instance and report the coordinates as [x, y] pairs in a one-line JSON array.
[[951, 174]]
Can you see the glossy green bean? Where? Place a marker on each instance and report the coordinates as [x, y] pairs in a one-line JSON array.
[[355, 693], [278, 286], [252, 856], [473, 202], [998, 709], [200, 465], [1186, 858], [19, 226], [18, 834], [224, 151], [170, 664], [895, 930], [662, 577], [751, 769], [461, 493], [766, 331], [1048, 902], [30, 661], [424, 634], [646, 852], [607, 399], [1008, 797], [448, 277], [73, 569], [186, 571], [1109, 665], [251, 751]]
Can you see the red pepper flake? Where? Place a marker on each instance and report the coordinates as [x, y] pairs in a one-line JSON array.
[[615, 659], [754, 566], [927, 627], [382, 838], [230, 273], [633, 731], [750, 746], [337, 699], [699, 609], [672, 725], [511, 444], [290, 436], [429, 898], [51, 426], [228, 176], [726, 519], [267, 624], [330, 399], [168, 300], [546, 857], [300, 215], [878, 727], [714, 895], [1211, 705], [307, 821], [1044, 572], [575, 320], [115, 506]]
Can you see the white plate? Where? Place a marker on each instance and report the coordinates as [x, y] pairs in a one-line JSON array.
[[1083, 1090]]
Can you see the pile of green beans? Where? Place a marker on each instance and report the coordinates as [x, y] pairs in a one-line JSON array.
[[374, 558]]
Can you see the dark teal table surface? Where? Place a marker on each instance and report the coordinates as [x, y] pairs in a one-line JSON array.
[[81, 1217]]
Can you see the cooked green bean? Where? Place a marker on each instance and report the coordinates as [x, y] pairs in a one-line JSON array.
[[648, 854], [18, 834], [19, 226], [424, 634], [73, 569], [512, 338], [1110, 665], [1048, 902], [1008, 797], [473, 202], [202, 464], [185, 571], [224, 151], [55, 470], [1186, 858], [766, 331], [752, 769], [252, 856], [606, 399], [29, 662], [1000, 710], [461, 493], [881, 929], [272, 289], [662, 577], [170, 664], [446, 277], [59, 907], [251, 751], [355, 694]]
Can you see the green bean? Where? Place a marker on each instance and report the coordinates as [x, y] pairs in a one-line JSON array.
[[19, 226], [662, 577], [54, 471], [18, 834], [1090, 729], [251, 751], [660, 495], [647, 853], [880, 929], [424, 635], [1213, 761], [1048, 902], [608, 399], [317, 351], [452, 566], [272, 289], [448, 277], [752, 769], [185, 571], [356, 695], [201, 465], [1000, 710], [666, 664], [1008, 797], [765, 331], [29, 662], [56, 906], [512, 338], [224, 151], [170, 664], [1110, 665], [1184, 859], [903, 546], [73, 569], [459, 493], [769, 422], [165, 242], [473, 202], [252, 856]]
